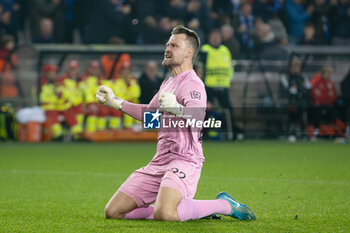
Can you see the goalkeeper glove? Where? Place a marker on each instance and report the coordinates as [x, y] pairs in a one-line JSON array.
[[106, 97], [169, 104]]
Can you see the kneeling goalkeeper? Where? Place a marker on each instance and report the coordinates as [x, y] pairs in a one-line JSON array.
[[170, 179]]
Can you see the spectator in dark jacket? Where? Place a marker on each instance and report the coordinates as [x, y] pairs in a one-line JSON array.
[[340, 22], [197, 18], [244, 27], [229, 40], [298, 88], [9, 17], [175, 9], [320, 20], [345, 89], [40, 9], [308, 36], [59, 22], [151, 32], [70, 20], [165, 29], [149, 82], [261, 9], [223, 8], [131, 21], [45, 35], [83, 9], [105, 21], [267, 47]]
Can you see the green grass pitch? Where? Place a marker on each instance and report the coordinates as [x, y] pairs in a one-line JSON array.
[[303, 187]]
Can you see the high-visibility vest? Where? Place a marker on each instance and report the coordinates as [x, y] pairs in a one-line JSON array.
[[90, 87], [48, 97], [63, 95], [219, 70], [130, 91], [74, 93]]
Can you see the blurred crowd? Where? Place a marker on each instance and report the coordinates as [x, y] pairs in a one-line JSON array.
[[69, 99], [228, 29], [315, 106], [242, 22]]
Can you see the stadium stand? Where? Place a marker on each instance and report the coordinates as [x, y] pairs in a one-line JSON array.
[[261, 36]]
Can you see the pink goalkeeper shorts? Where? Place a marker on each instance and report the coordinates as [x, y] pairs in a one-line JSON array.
[[143, 184]]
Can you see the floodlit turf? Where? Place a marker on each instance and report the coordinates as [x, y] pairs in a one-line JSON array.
[[303, 187]]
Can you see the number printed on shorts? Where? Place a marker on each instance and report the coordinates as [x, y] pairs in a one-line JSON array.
[[180, 174]]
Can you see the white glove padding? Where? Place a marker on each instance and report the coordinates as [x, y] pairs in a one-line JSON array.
[[169, 104], [106, 97]]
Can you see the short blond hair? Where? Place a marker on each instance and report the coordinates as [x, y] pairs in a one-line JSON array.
[[192, 37]]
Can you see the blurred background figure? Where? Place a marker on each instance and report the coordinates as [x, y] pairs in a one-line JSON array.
[[150, 21], [105, 21], [45, 34], [10, 17], [54, 99], [48, 99], [96, 114], [308, 35], [297, 16], [278, 29], [101, 112], [112, 63], [345, 89], [151, 33], [261, 9], [221, 11], [8, 63], [127, 87], [149, 82], [266, 46], [72, 82], [219, 74], [250, 30], [229, 40], [324, 110], [199, 69], [297, 87], [339, 17], [165, 29], [244, 26], [174, 9], [197, 18], [320, 19], [52, 9]]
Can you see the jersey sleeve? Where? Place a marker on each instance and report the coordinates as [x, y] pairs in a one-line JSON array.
[[136, 110], [194, 99]]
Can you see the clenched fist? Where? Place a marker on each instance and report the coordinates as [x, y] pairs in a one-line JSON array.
[[106, 97]]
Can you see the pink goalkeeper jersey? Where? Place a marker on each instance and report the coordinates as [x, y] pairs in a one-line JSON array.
[[177, 143]]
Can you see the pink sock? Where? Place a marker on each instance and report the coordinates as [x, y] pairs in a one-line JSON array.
[[195, 209], [140, 213]]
